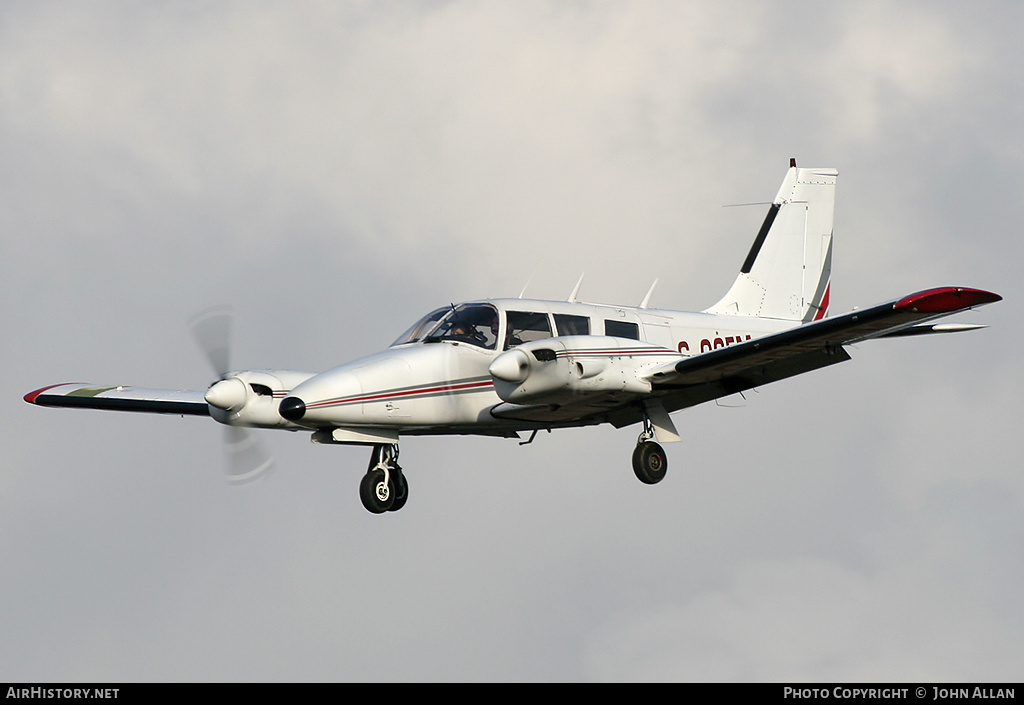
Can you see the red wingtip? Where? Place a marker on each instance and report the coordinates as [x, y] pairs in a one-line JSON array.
[[946, 299], [32, 396]]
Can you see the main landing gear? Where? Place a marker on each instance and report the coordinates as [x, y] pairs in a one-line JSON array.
[[384, 487], [649, 460]]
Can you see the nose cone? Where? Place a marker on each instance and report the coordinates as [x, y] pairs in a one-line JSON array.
[[292, 408]]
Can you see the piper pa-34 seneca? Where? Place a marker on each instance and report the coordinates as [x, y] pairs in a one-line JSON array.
[[504, 367]]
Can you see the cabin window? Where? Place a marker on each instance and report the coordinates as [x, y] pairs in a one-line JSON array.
[[524, 326], [622, 329], [572, 325]]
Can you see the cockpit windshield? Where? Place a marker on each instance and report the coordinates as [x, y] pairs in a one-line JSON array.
[[475, 324], [421, 327]]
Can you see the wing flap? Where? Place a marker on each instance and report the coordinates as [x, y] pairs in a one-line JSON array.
[[682, 396], [121, 398]]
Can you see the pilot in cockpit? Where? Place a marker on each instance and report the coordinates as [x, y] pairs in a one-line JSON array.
[[459, 330], [476, 325]]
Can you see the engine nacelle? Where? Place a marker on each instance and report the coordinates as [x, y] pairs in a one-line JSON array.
[[561, 370], [253, 397]]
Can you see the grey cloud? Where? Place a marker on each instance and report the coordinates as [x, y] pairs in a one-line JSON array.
[[334, 171]]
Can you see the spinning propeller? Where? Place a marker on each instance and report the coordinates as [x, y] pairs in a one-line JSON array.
[[245, 455]]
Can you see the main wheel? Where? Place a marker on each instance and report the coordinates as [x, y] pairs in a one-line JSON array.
[[401, 490], [649, 462], [376, 495]]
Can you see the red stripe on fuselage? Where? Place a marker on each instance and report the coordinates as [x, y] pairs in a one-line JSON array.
[[612, 352], [405, 393]]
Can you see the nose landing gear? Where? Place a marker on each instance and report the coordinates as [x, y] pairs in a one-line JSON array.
[[384, 487]]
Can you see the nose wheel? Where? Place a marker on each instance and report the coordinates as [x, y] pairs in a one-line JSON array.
[[384, 487]]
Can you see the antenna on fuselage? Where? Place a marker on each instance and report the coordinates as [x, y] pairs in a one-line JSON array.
[[643, 304], [576, 289]]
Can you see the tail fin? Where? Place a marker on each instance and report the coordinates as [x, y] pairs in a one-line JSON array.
[[787, 273]]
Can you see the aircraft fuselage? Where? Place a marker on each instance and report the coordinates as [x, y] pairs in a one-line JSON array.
[[444, 380]]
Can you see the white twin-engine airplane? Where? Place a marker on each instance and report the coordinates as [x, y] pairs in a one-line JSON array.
[[502, 367]]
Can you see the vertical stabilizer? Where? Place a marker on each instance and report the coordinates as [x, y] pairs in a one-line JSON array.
[[786, 274]]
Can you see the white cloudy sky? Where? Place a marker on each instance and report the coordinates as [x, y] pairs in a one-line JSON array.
[[333, 170]]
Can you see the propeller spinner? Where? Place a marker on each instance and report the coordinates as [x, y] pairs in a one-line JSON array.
[[245, 456]]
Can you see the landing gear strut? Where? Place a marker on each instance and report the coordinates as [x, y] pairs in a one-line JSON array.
[[384, 487], [649, 460]]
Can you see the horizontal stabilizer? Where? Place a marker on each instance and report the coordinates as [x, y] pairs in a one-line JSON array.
[[928, 329]]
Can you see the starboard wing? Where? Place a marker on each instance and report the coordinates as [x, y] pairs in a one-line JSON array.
[[807, 347]]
